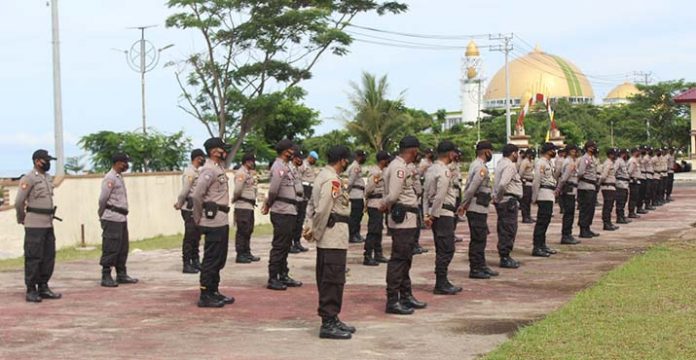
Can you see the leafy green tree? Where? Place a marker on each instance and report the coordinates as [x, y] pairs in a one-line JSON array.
[[322, 143], [255, 51], [74, 165], [153, 151], [665, 121]]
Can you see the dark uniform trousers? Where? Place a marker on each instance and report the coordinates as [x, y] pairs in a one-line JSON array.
[[356, 213], [192, 237], [114, 245], [283, 231], [375, 225], [214, 256], [545, 210], [568, 214], [586, 201], [478, 230], [299, 221], [633, 197], [643, 194], [661, 185], [609, 197], [621, 198], [39, 255], [670, 185], [244, 219], [526, 202], [331, 278], [650, 193], [506, 226], [399, 266], [443, 233]]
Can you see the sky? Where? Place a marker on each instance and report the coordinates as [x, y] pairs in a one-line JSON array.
[[605, 39]]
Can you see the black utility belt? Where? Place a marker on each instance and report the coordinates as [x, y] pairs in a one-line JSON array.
[[336, 218], [189, 203], [398, 212], [571, 184], [517, 197], [359, 187], [593, 182], [483, 199], [449, 207], [623, 179], [306, 183], [41, 210], [116, 209], [609, 184], [374, 196], [548, 187], [210, 209], [250, 201], [524, 181], [649, 173], [286, 200]]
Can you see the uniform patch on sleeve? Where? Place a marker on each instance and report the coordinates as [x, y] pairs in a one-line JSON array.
[[240, 177], [400, 174], [587, 161], [377, 179], [483, 172], [448, 173], [110, 184], [335, 188], [190, 179], [24, 186], [357, 170]]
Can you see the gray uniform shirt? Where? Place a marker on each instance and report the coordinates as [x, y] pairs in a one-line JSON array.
[[647, 166], [297, 175], [36, 191], [308, 174], [608, 177], [417, 186], [188, 180], [621, 171], [245, 187], [356, 184], [439, 190], [507, 181], [113, 192], [478, 181], [558, 166], [544, 184], [670, 163], [212, 186], [375, 186], [329, 196], [569, 175], [587, 169], [398, 180], [526, 171], [282, 185], [634, 171]]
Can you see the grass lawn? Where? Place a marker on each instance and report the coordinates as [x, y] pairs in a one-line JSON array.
[[159, 242], [645, 309]]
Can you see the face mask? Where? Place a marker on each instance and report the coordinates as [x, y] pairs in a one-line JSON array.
[[553, 154], [201, 162], [45, 166], [489, 157]]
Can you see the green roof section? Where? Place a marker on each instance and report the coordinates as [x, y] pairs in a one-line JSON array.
[[572, 78]]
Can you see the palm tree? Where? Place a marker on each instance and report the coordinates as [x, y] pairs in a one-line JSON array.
[[375, 120]]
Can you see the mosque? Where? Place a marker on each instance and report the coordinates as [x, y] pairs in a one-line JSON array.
[[537, 72]]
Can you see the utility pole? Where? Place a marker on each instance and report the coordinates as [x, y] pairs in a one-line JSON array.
[[645, 75], [57, 97], [505, 47]]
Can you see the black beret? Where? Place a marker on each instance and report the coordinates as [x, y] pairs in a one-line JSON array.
[[214, 142], [562, 149], [248, 157], [484, 145], [611, 151], [409, 142], [445, 147], [383, 155], [510, 149], [590, 144], [530, 151], [547, 147], [635, 150], [570, 147], [284, 145], [119, 157], [42, 154], [623, 151], [360, 153], [338, 152], [428, 151], [196, 153]]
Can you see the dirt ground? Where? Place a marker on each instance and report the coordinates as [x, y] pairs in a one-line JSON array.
[[158, 319]]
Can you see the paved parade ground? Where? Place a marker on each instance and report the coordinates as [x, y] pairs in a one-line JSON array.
[[158, 318]]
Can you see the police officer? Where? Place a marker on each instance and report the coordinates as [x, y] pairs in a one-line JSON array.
[[526, 172], [402, 201], [309, 174], [507, 192], [282, 204], [113, 213], [211, 197], [543, 194], [244, 200], [439, 197], [356, 185], [635, 176], [587, 189], [670, 174], [297, 167], [622, 184], [643, 194], [35, 210], [418, 188], [456, 169], [650, 179], [374, 195], [475, 202], [557, 168], [329, 211], [661, 176], [567, 190], [184, 203], [607, 180]]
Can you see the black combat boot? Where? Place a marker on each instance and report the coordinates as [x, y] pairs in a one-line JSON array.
[[330, 330], [408, 300], [478, 274], [123, 278], [275, 284], [289, 282], [394, 306], [380, 258], [369, 261], [569, 240], [622, 220], [540, 252], [242, 259], [507, 262], [586, 234], [343, 326], [549, 250], [490, 271], [196, 262], [107, 280], [225, 299], [188, 267], [442, 287], [209, 300], [253, 257], [33, 295], [300, 247], [294, 249], [610, 227], [46, 293], [456, 288]]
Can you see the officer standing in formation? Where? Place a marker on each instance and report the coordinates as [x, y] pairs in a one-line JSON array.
[[281, 202], [543, 194], [374, 196], [670, 175], [636, 178], [607, 180], [113, 213], [526, 171], [418, 189], [567, 190], [587, 190], [298, 169], [622, 181], [649, 179], [307, 175], [356, 186], [475, 202], [35, 210], [456, 169], [329, 213], [402, 202], [561, 155], [507, 192], [184, 203], [439, 211], [244, 200], [211, 196]]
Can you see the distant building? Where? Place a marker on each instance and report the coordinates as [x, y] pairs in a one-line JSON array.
[[621, 93]]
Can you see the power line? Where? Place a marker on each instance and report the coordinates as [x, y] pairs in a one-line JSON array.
[[444, 46], [406, 46], [422, 36]]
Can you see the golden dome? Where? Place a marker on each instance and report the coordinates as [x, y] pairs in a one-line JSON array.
[[540, 72], [622, 92], [472, 49]]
